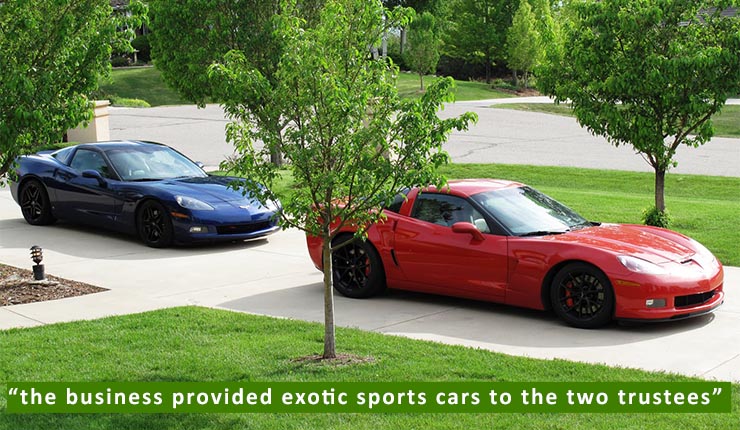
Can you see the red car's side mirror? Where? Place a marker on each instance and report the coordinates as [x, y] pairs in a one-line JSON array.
[[466, 227]]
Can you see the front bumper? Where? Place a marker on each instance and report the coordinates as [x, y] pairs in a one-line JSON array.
[[225, 227], [683, 296]]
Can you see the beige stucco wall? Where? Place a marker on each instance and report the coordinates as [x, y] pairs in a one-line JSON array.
[[98, 130]]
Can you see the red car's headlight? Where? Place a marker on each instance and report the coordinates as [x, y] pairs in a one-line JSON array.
[[638, 265]]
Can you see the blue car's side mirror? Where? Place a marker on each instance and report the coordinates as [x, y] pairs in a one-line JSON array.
[[94, 174]]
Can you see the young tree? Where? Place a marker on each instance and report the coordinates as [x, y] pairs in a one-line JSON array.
[[523, 44], [350, 141], [53, 54], [648, 74], [188, 36], [422, 53]]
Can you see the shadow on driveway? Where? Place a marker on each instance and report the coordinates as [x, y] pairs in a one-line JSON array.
[[417, 314]]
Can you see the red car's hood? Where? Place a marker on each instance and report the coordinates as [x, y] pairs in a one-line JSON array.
[[638, 241]]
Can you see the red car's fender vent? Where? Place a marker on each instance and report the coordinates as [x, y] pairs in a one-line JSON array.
[[693, 299], [243, 228]]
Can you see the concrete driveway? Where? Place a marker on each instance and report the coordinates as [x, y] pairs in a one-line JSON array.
[[276, 277]]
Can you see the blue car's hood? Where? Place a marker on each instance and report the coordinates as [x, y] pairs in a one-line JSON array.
[[212, 189]]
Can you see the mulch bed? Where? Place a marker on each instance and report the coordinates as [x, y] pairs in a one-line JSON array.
[[17, 286]]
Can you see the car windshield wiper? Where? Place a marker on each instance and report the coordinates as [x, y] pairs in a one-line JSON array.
[[543, 233], [144, 179]]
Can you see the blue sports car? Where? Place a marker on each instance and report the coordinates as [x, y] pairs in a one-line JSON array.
[[141, 188]]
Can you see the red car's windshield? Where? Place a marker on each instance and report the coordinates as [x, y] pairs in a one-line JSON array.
[[525, 211]]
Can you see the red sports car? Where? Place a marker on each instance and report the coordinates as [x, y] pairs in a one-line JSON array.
[[505, 242]]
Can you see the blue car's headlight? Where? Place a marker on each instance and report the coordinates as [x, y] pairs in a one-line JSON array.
[[273, 205], [638, 265], [193, 203]]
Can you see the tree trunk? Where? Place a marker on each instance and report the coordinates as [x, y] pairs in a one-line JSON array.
[[276, 157], [402, 42], [384, 43], [421, 81], [329, 337], [488, 71], [660, 189]]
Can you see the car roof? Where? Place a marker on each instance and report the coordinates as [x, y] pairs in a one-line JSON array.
[[470, 187], [120, 144]]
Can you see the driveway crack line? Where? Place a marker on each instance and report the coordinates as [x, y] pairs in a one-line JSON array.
[[25, 316], [720, 365], [414, 319]]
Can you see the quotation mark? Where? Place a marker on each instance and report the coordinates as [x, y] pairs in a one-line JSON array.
[[716, 391], [13, 391]]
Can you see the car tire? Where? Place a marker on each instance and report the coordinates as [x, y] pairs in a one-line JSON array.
[[35, 203], [154, 225], [357, 269], [582, 296]]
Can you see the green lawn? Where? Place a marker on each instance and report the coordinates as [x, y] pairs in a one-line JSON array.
[[408, 86], [726, 123], [197, 344], [145, 83], [142, 83]]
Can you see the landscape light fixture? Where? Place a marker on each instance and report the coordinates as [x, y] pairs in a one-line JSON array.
[[37, 255]]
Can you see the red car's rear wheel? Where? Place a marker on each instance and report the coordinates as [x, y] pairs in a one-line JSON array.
[[357, 269]]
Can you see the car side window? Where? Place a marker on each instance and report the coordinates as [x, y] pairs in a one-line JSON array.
[[398, 201], [443, 209], [85, 159]]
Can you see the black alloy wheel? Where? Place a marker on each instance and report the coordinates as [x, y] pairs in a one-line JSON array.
[[154, 225], [357, 269], [35, 204], [582, 296]]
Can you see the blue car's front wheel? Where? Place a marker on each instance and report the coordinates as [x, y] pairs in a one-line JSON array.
[[154, 225], [35, 204]]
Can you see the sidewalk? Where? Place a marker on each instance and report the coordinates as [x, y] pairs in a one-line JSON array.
[[276, 277]]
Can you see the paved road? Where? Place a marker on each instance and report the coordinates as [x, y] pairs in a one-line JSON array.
[[500, 136]]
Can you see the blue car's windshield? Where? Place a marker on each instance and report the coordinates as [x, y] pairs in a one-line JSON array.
[[527, 212], [152, 163]]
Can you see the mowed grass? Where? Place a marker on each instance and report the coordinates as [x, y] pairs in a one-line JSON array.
[[142, 83], [146, 83], [198, 344], [409, 87], [726, 123]]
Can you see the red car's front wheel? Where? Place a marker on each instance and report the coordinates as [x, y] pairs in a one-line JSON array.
[[582, 296]]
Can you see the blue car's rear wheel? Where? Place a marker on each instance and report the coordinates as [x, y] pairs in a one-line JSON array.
[[154, 225], [582, 296], [35, 204], [357, 269]]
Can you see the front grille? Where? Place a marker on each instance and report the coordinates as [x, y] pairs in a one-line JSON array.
[[243, 228], [693, 299]]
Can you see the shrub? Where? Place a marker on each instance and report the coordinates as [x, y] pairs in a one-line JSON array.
[[653, 216], [120, 61], [124, 102]]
